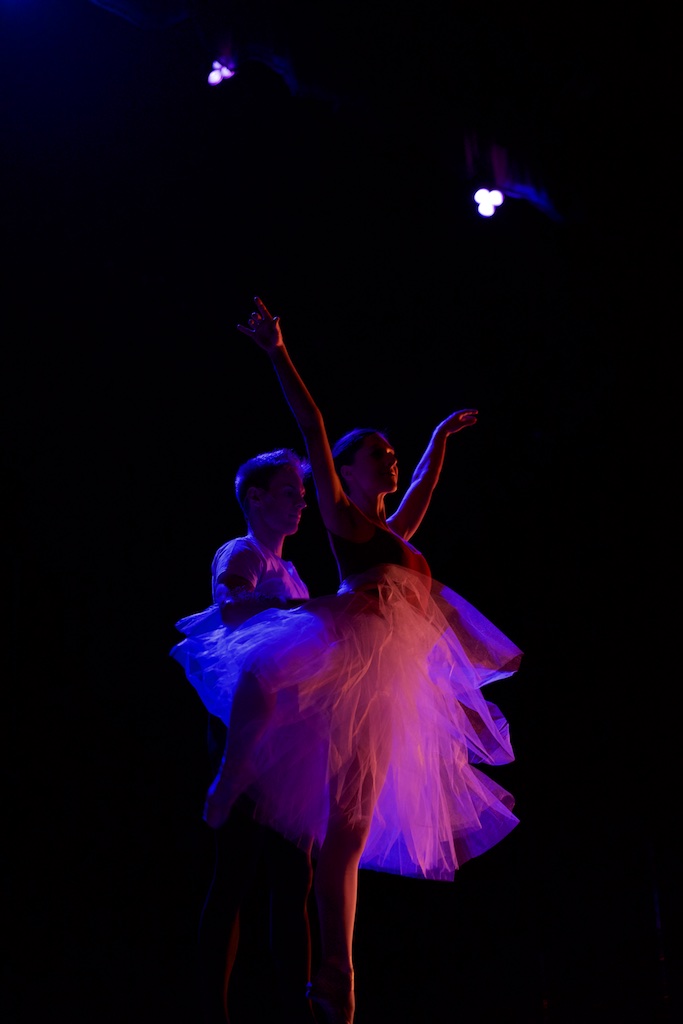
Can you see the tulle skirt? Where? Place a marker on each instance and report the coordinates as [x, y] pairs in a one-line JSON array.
[[377, 713]]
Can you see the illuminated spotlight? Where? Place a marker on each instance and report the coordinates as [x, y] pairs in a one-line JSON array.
[[487, 201], [219, 72]]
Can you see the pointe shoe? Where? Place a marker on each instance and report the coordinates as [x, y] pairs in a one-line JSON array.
[[332, 996]]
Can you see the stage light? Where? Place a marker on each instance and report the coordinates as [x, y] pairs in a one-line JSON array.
[[487, 201], [219, 72]]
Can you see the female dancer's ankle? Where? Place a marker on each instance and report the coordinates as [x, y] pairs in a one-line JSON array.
[[340, 964], [331, 994]]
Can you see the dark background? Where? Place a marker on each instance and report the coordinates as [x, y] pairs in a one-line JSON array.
[[142, 210]]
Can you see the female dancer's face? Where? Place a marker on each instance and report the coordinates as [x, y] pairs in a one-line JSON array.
[[374, 469]]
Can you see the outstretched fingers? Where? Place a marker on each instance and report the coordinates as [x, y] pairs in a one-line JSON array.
[[262, 326], [262, 308], [459, 420]]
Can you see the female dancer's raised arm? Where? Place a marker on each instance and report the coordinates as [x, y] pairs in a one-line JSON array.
[[417, 498], [334, 504]]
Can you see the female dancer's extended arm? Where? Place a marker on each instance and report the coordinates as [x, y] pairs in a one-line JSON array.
[[333, 503], [415, 501]]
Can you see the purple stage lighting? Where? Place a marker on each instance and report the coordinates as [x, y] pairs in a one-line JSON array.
[[219, 72], [487, 201]]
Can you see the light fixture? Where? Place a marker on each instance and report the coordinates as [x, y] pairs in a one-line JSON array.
[[219, 72], [487, 201]]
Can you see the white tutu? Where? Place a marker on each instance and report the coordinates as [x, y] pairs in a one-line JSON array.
[[378, 696]]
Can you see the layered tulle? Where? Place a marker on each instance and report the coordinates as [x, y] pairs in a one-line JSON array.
[[378, 710]]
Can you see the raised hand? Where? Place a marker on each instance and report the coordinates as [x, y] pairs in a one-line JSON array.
[[458, 421], [262, 327]]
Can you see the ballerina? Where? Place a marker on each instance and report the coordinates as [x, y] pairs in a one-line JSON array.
[[358, 717]]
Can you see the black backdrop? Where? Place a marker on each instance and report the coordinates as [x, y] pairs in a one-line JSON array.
[[142, 210]]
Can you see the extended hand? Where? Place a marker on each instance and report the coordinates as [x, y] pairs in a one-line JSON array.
[[459, 420], [262, 327]]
